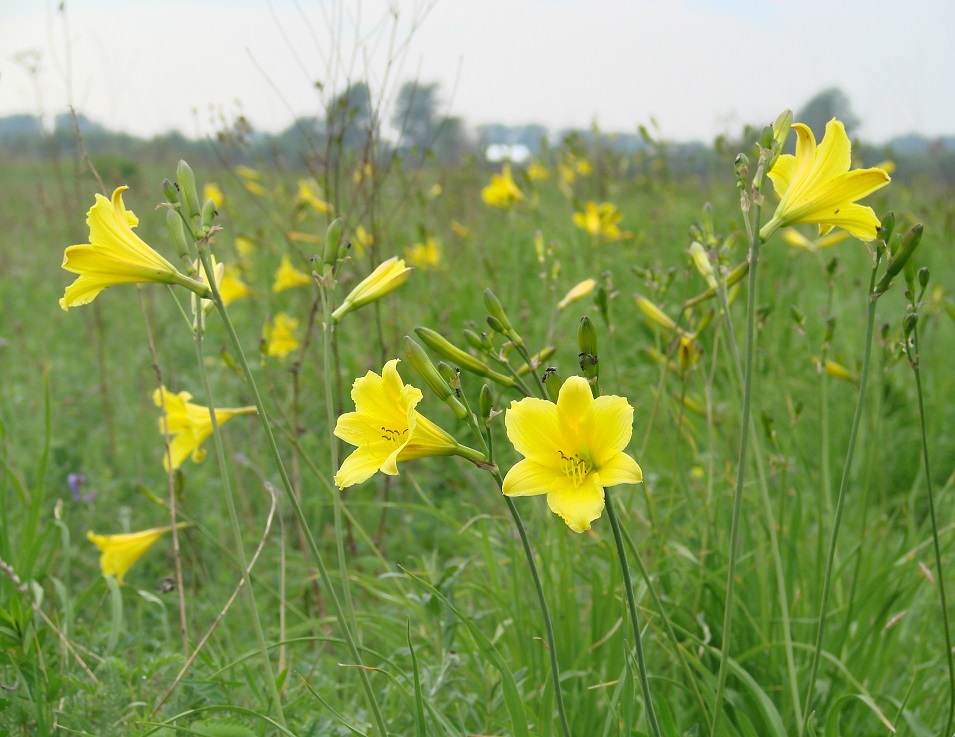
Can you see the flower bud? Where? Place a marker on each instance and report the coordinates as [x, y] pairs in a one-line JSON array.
[[171, 191], [426, 370], [485, 406], [496, 325], [654, 313], [474, 340], [496, 310], [701, 260], [178, 233], [587, 336], [536, 360], [887, 226], [551, 381], [444, 348], [188, 194], [901, 257], [385, 279], [333, 237], [448, 373], [577, 293], [208, 215]]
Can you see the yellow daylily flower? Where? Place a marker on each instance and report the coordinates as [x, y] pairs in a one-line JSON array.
[[279, 335], [363, 240], [387, 429], [537, 172], [118, 553], [600, 221], [815, 186], [577, 293], [572, 450], [389, 275], [189, 425], [461, 231], [231, 287], [288, 277], [116, 255], [426, 255], [794, 238], [308, 197], [212, 192], [835, 370], [502, 192]]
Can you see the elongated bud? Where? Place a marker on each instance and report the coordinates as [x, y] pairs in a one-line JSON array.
[[497, 326], [898, 261], [732, 279], [208, 215], [474, 340], [704, 322], [654, 313], [602, 300], [188, 193], [485, 406], [798, 316], [386, 278], [741, 167], [178, 233], [333, 237], [701, 260], [707, 222], [687, 354], [923, 277], [496, 310], [887, 226], [448, 373], [171, 191], [426, 370], [551, 381], [537, 359], [444, 348], [588, 356]]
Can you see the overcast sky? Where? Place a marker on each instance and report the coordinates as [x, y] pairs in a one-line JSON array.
[[698, 67]]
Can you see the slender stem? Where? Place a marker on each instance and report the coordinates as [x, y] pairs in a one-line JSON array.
[[914, 362], [296, 507], [840, 500], [740, 471], [632, 607], [328, 367], [234, 522]]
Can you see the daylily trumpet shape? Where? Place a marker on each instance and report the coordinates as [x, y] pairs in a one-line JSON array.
[[385, 279], [816, 186], [120, 552], [572, 450], [503, 191], [288, 277], [387, 429], [601, 222], [425, 254], [577, 293], [116, 255], [189, 425], [279, 335]]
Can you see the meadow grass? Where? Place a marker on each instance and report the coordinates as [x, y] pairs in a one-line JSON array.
[[444, 606]]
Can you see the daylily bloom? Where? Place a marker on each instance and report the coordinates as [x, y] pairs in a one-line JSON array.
[[502, 192], [577, 293], [288, 277], [231, 287], [116, 255], [601, 221], [387, 429], [537, 172], [120, 552], [212, 192], [426, 255], [308, 196], [816, 186], [572, 450], [279, 335], [385, 279], [362, 240], [189, 425]]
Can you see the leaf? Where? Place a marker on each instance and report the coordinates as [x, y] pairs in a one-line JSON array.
[[227, 727]]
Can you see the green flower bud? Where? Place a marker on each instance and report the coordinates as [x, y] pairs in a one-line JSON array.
[[887, 226], [536, 360], [188, 194], [477, 342], [587, 336], [426, 370], [551, 381], [496, 311], [900, 258], [208, 215], [444, 348], [485, 406], [333, 237], [171, 191], [178, 233], [448, 373], [923, 277], [497, 326]]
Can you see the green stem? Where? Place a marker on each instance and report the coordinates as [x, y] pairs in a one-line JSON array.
[[914, 362], [234, 523], [754, 244], [634, 621], [296, 507], [328, 366], [840, 500]]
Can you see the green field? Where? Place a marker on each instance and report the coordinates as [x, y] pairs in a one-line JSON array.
[[436, 593]]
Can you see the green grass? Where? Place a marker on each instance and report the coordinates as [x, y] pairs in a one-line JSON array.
[[445, 605]]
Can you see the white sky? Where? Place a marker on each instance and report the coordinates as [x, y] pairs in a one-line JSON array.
[[700, 67]]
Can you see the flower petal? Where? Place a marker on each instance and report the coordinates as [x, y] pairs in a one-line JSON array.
[[621, 469], [528, 478], [358, 467], [578, 506], [859, 220], [607, 428], [533, 429], [574, 403]]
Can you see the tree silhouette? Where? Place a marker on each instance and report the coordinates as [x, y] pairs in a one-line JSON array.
[[823, 107]]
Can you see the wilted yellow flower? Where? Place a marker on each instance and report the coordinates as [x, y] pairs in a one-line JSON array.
[[389, 275], [308, 196], [118, 553], [116, 255], [600, 222], [502, 192], [572, 450], [425, 255], [687, 353], [387, 429], [189, 425], [577, 293], [288, 277], [815, 186], [279, 335], [537, 172], [212, 192], [794, 238]]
